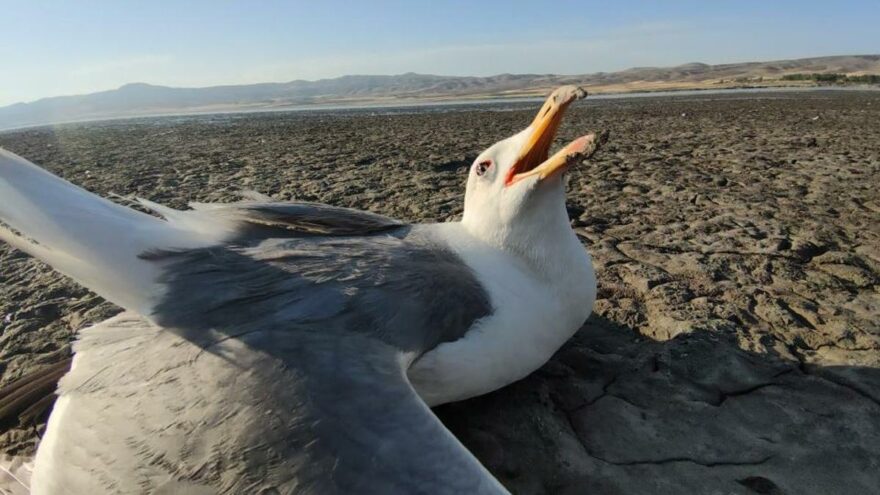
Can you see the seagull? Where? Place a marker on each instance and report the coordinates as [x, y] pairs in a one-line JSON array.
[[292, 347]]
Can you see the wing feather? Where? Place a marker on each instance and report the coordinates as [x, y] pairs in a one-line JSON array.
[[99, 243], [146, 410]]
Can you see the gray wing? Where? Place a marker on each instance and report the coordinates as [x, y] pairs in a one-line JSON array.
[[405, 291], [335, 415], [280, 369]]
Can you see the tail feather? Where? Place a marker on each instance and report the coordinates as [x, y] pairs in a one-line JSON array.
[[91, 239]]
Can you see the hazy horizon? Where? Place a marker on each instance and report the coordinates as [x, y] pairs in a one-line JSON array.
[[101, 45]]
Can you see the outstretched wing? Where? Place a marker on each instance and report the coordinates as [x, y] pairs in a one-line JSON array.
[[98, 243], [321, 413]]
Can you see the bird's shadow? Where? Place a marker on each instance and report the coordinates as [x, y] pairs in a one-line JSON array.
[[617, 412]]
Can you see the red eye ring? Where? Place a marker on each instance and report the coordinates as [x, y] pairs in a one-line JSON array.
[[483, 166]]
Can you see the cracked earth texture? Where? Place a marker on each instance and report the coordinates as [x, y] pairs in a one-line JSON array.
[[735, 342]]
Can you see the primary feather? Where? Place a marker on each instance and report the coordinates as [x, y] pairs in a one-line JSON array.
[[102, 245], [93, 240]]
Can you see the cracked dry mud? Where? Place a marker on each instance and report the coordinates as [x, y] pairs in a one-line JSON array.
[[735, 344]]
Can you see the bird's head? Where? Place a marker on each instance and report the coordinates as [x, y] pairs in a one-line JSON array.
[[515, 190]]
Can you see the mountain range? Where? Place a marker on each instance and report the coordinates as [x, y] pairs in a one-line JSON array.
[[141, 99]]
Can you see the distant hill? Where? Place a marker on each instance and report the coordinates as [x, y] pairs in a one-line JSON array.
[[140, 99]]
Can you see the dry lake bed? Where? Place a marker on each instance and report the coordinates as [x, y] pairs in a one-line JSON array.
[[735, 344]]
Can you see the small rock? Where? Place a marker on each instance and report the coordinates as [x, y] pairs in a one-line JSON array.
[[807, 250], [633, 189], [781, 245]]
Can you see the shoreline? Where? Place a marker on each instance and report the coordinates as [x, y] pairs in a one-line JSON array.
[[445, 102]]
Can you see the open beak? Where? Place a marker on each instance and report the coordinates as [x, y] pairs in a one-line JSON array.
[[533, 159]]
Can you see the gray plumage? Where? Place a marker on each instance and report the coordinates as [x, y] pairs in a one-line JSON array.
[[381, 286], [281, 371]]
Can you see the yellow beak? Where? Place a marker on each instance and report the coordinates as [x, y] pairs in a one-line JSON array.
[[533, 159]]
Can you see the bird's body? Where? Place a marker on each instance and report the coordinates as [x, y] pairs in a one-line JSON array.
[[295, 347], [503, 346]]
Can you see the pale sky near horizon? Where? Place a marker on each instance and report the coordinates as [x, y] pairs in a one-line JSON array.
[[51, 48]]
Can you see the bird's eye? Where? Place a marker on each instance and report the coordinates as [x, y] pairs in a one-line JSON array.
[[483, 166]]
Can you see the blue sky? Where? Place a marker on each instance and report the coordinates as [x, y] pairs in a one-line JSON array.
[[58, 48]]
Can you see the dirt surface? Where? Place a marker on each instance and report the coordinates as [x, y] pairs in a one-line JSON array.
[[735, 344]]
